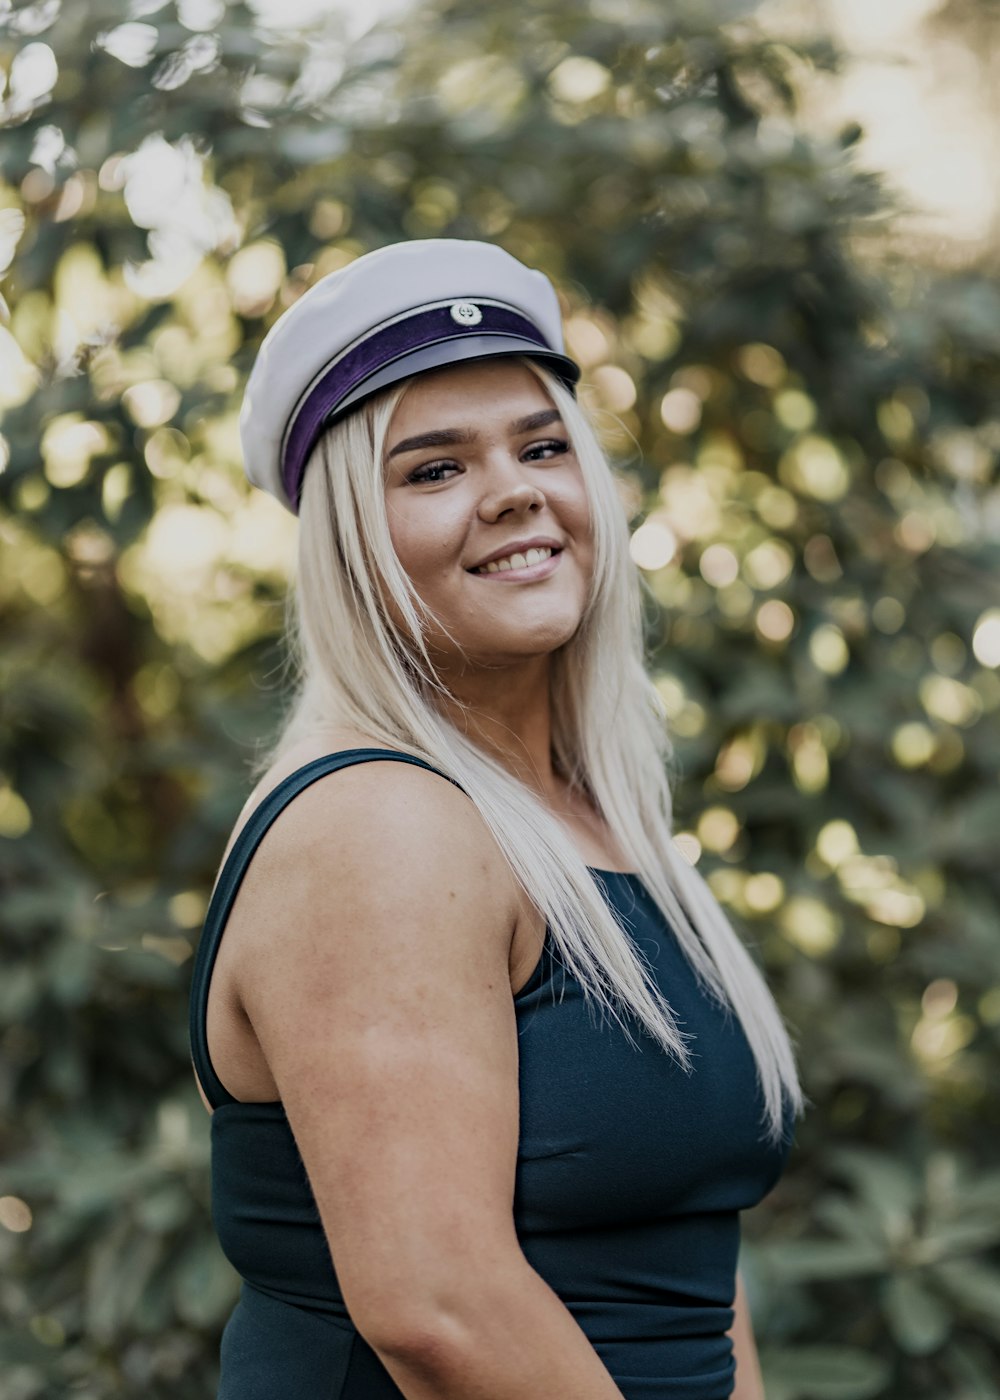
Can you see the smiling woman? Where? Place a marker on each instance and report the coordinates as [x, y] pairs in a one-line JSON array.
[[474, 513], [437, 1171]]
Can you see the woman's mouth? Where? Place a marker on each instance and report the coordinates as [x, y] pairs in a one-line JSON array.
[[520, 568]]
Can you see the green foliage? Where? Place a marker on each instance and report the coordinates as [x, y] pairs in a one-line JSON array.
[[805, 426]]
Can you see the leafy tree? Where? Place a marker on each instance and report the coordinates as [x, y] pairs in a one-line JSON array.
[[805, 431]]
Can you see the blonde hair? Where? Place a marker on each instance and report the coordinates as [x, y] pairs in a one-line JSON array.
[[353, 665]]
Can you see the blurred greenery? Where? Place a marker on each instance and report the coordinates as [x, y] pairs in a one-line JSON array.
[[805, 422]]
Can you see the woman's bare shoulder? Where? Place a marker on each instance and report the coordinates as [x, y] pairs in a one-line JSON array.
[[306, 751], [370, 826], [289, 761]]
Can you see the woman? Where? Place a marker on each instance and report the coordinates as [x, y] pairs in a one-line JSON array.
[[440, 1175]]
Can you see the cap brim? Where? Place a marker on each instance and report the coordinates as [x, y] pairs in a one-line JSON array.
[[450, 352]]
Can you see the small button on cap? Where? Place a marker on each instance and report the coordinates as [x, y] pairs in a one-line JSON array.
[[466, 313]]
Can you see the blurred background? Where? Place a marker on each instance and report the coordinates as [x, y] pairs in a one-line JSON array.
[[775, 230]]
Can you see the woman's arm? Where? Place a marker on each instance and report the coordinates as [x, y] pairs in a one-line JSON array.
[[375, 973], [749, 1381]]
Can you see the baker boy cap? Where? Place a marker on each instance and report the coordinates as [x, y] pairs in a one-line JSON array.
[[392, 313]]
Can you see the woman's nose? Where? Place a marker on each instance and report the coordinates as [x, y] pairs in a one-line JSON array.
[[508, 486], [504, 471]]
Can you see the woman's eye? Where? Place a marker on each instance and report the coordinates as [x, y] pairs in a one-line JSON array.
[[430, 471], [553, 447]]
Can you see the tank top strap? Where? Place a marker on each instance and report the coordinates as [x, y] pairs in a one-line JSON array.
[[230, 879]]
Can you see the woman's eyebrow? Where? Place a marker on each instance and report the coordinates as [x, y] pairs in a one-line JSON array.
[[536, 420], [440, 437], [445, 437]]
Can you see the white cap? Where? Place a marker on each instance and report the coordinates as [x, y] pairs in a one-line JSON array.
[[389, 314]]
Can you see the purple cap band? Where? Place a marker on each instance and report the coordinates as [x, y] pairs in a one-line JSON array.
[[374, 353]]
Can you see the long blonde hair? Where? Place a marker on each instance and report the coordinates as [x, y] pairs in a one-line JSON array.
[[354, 666]]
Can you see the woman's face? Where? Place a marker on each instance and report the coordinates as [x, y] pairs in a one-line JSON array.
[[479, 467]]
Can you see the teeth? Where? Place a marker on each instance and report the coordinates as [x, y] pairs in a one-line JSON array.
[[515, 561]]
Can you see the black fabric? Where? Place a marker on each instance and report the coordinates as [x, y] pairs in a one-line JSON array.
[[630, 1178]]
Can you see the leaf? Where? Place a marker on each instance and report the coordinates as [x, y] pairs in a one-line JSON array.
[[822, 1373], [21, 989], [818, 1259], [885, 1182], [12, 223], [918, 1320], [848, 1217], [974, 1370], [100, 1295], [982, 1193], [967, 1236], [102, 1185], [164, 1209], [974, 1285], [70, 970], [205, 1284]]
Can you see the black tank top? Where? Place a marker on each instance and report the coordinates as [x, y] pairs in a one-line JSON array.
[[630, 1175]]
